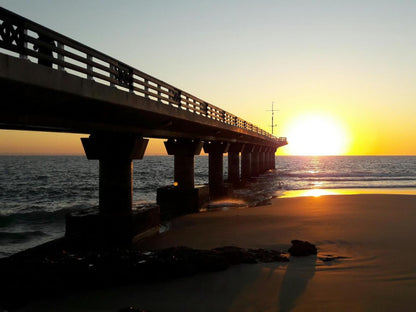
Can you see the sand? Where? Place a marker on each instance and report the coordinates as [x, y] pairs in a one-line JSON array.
[[376, 234]]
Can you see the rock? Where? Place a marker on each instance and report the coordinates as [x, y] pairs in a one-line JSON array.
[[302, 248]]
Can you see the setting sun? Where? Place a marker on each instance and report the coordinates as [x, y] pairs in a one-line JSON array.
[[317, 134]]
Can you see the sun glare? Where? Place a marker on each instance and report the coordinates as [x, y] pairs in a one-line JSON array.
[[315, 135]]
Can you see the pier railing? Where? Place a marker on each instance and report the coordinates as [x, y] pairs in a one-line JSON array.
[[37, 43]]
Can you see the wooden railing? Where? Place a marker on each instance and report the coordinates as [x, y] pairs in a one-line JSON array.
[[37, 43]]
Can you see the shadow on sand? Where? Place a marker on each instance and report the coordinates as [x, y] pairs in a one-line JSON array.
[[298, 274]]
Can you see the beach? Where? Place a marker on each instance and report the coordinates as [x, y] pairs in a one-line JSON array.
[[373, 236]]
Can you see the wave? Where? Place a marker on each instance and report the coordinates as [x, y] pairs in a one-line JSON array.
[[19, 237], [38, 216]]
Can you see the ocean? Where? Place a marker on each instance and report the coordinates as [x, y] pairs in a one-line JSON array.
[[36, 192]]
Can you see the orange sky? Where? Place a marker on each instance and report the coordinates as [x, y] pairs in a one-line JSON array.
[[350, 63]]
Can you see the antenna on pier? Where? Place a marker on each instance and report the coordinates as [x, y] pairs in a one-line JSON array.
[[273, 110]]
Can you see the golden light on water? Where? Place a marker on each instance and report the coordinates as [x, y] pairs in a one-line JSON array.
[[324, 192], [317, 134], [308, 193]]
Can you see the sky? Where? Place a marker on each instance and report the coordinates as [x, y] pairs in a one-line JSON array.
[[340, 73]]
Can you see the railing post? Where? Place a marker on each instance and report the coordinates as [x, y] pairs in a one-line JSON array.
[[159, 93], [24, 56], [205, 108], [188, 104], [89, 67], [60, 56], [112, 76], [146, 88]]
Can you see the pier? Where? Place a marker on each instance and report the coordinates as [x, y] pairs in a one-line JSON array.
[[50, 82]]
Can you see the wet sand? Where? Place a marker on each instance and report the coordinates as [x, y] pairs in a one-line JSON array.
[[376, 234]]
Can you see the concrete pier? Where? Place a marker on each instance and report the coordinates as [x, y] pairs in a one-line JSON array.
[[119, 105], [215, 150], [234, 162]]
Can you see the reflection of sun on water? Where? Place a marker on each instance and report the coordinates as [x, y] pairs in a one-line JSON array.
[[315, 134], [323, 192], [308, 193]]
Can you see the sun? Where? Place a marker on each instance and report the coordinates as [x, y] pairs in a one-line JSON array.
[[316, 134]]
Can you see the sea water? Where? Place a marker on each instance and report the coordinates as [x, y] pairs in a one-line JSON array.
[[36, 192]]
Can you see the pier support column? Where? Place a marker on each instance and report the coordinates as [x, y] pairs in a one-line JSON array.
[[114, 222], [262, 159], [234, 162], [182, 197], [184, 151], [115, 153], [216, 149], [246, 161], [268, 158], [255, 159], [273, 157]]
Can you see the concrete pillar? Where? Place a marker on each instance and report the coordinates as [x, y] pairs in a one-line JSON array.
[[262, 159], [184, 151], [246, 161], [266, 158], [234, 162], [115, 153], [216, 149], [269, 158], [114, 222], [255, 159], [116, 186], [273, 158], [182, 197]]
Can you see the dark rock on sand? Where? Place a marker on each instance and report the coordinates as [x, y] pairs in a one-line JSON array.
[[302, 248]]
